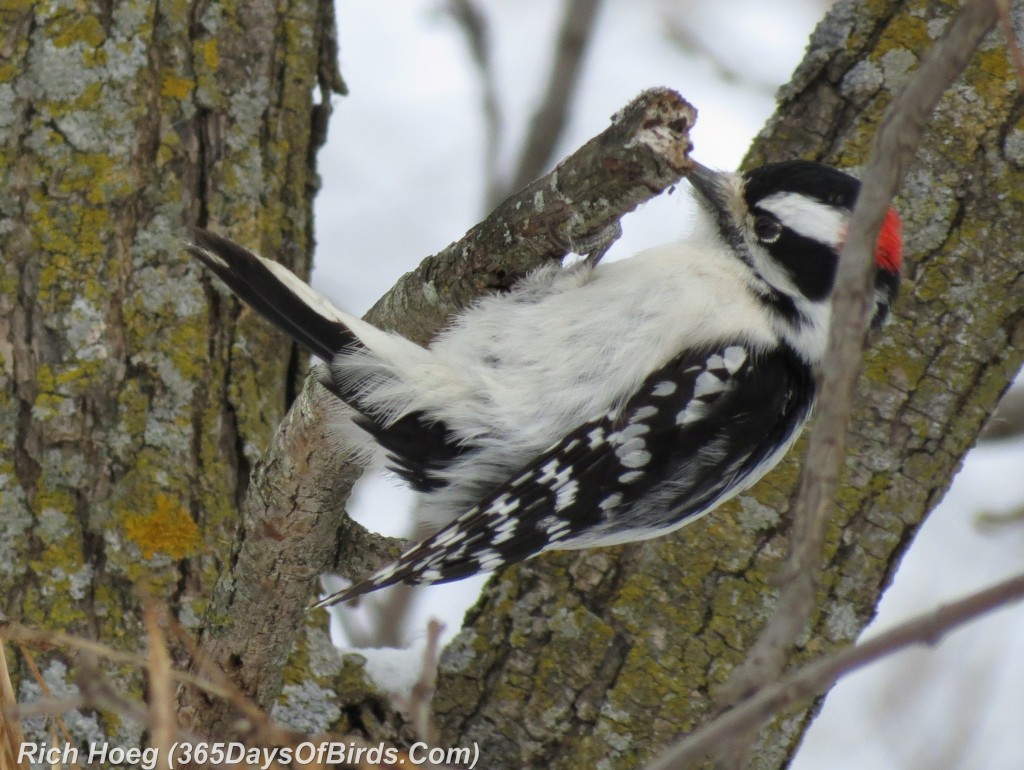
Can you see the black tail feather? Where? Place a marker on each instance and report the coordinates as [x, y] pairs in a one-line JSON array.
[[417, 445], [255, 284]]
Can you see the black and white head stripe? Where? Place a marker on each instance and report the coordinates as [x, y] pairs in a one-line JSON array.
[[593, 487], [811, 205], [824, 184], [807, 217]]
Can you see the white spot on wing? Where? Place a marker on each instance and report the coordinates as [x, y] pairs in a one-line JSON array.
[[489, 560], [643, 413], [664, 388], [734, 358], [636, 459], [554, 527], [566, 495], [611, 501], [504, 505], [632, 431], [450, 538], [548, 472], [706, 384], [694, 411], [505, 531]]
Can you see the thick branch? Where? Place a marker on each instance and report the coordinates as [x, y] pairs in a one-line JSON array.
[[292, 528], [902, 130], [642, 153]]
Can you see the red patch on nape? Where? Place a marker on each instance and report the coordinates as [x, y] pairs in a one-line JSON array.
[[889, 249]]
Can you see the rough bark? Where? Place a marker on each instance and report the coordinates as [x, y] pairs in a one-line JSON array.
[[132, 405], [133, 396], [601, 658]]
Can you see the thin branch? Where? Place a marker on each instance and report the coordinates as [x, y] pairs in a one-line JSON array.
[[160, 693], [418, 708], [1008, 419], [473, 24], [995, 523], [23, 635], [902, 128], [817, 677], [44, 688], [643, 152], [292, 526], [549, 121], [1012, 43], [11, 737], [97, 692], [692, 42]]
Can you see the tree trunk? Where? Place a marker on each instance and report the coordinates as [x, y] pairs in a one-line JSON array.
[[604, 657], [133, 395]]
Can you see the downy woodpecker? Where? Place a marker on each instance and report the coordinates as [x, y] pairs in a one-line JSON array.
[[599, 403]]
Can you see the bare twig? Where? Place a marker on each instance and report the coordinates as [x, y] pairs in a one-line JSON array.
[[549, 121], [45, 707], [44, 688], [642, 153], [994, 523], [100, 693], [1012, 43], [23, 635], [817, 677], [11, 737], [96, 691], [473, 24], [692, 42], [418, 707], [163, 722], [898, 139], [391, 615], [1008, 420]]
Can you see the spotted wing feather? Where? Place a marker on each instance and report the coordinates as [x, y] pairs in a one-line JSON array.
[[600, 480]]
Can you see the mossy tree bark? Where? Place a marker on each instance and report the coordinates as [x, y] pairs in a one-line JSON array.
[[132, 408], [600, 659], [133, 397]]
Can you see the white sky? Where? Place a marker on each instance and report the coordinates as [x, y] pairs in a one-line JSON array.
[[403, 177]]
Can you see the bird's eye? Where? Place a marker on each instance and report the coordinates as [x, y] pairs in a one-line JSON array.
[[767, 228]]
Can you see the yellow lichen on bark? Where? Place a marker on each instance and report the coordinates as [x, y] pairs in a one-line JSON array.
[[166, 529]]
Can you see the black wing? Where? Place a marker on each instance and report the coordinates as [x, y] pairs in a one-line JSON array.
[[696, 429]]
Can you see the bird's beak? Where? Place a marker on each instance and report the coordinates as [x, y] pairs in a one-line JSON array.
[[707, 183], [715, 194]]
